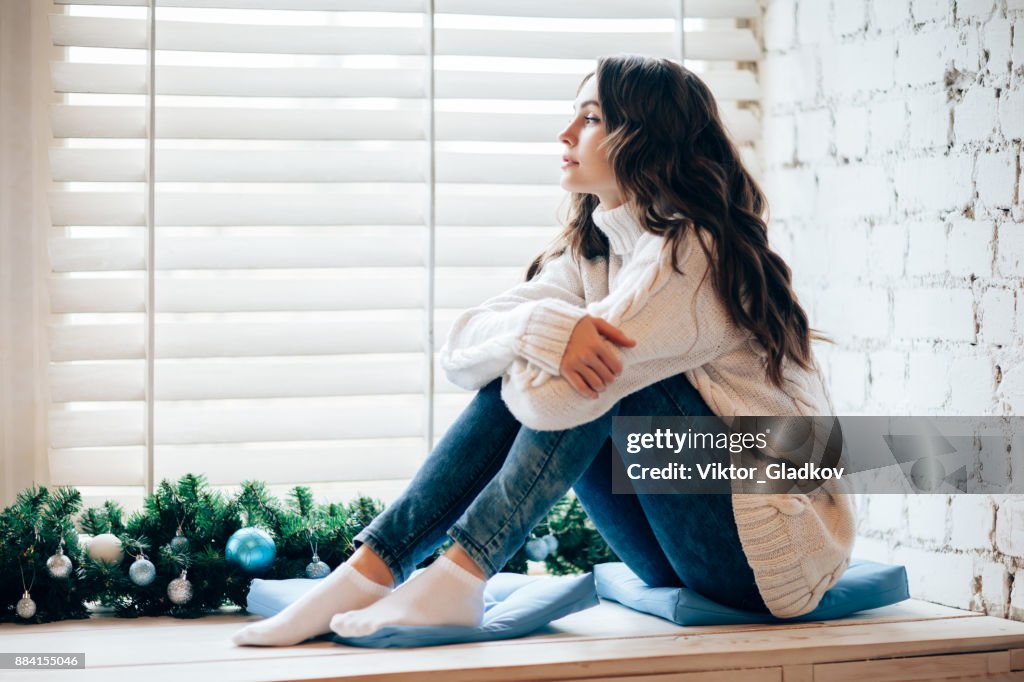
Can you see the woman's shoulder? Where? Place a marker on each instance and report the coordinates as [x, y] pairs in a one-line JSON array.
[[694, 253]]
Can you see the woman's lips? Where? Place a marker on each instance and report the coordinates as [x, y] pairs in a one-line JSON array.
[[568, 163]]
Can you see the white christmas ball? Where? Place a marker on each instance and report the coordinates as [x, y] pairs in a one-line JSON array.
[[106, 548]]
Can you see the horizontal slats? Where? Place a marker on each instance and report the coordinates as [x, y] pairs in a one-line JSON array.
[[733, 45], [240, 81], [555, 45], [340, 5], [251, 335], [245, 422], [447, 408], [336, 82], [199, 36], [600, 8], [273, 463], [223, 378], [186, 208], [241, 123], [614, 9], [362, 289], [202, 165], [325, 124], [238, 123], [296, 419], [404, 208], [120, 380], [303, 248], [238, 165], [732, 85]]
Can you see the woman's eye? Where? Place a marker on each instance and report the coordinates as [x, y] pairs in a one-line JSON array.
[[591, 119]]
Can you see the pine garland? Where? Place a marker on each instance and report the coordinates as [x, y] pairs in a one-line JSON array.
[[32, 528]]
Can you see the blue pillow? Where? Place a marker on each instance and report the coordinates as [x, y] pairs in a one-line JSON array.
[[864, 585], [514, 605]]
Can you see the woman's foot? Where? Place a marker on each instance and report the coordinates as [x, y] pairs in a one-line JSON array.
[[346, 588], [443, 594]]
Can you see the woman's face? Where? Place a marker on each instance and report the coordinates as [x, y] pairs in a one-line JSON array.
[[585, 166]]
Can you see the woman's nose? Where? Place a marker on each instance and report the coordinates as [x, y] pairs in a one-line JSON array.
[[565, 137]]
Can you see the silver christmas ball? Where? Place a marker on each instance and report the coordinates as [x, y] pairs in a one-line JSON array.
[[142, 572], [59, 565], [179, 590], [317, 569], [26, 607], [551, 541], [179, 543]]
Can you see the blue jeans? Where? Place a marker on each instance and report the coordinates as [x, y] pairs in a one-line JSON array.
[[490, 480]]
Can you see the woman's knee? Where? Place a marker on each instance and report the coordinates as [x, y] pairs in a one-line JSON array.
[[674, 395], [494, 386]]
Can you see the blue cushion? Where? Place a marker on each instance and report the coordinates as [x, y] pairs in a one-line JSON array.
[[864, 585], [514, 605]]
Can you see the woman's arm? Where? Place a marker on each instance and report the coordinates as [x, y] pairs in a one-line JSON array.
[[532, 321], [678, 321]]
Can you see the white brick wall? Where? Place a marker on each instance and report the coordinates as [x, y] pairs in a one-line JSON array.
[[892, 158]]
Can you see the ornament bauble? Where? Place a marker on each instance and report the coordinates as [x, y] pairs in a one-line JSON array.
[[317, 569], [59, 565], [142, 572], [179, 590], [179, 543], [251, 549], [106, 548], [26, 608], [536, 549], [551, 541]]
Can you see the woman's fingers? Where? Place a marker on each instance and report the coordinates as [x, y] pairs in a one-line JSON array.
[[591, 360], [577, 382], [592, 379], [610, 357], [612, 333], [598, 365]]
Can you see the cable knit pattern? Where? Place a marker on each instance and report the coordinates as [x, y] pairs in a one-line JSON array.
[[797, 545]]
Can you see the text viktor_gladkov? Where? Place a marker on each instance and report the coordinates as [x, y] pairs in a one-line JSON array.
[[717, 471]]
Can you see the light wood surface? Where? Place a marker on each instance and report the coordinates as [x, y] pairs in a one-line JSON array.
[[911, 640]]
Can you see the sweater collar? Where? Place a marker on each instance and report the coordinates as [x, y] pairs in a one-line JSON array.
[[621, 227]]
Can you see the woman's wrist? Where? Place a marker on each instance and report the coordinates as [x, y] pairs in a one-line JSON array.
[[547, 333]]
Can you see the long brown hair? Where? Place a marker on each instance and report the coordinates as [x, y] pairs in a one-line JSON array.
[[674, 161]]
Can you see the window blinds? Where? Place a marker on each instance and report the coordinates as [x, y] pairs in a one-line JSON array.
[[334, 181]]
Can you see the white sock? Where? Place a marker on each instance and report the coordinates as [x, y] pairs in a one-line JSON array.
[[344, 589], [443, 594]]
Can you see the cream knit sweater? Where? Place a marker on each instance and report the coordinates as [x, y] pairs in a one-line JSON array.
[[797, 545]]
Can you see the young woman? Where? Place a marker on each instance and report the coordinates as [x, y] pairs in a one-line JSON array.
[[661, 297]]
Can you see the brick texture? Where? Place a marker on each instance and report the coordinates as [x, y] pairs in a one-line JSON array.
[[892, 161]]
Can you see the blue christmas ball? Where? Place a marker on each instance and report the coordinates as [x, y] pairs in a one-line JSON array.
[[251, 549], [179, 543], [142, 572], [536, 550]]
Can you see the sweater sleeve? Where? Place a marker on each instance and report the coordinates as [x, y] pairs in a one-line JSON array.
[[678, 322], [532, 321]]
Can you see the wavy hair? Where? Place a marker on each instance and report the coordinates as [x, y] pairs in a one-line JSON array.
[[674, 161]]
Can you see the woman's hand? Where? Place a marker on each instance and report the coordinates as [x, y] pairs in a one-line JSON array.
[[591, 361]]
